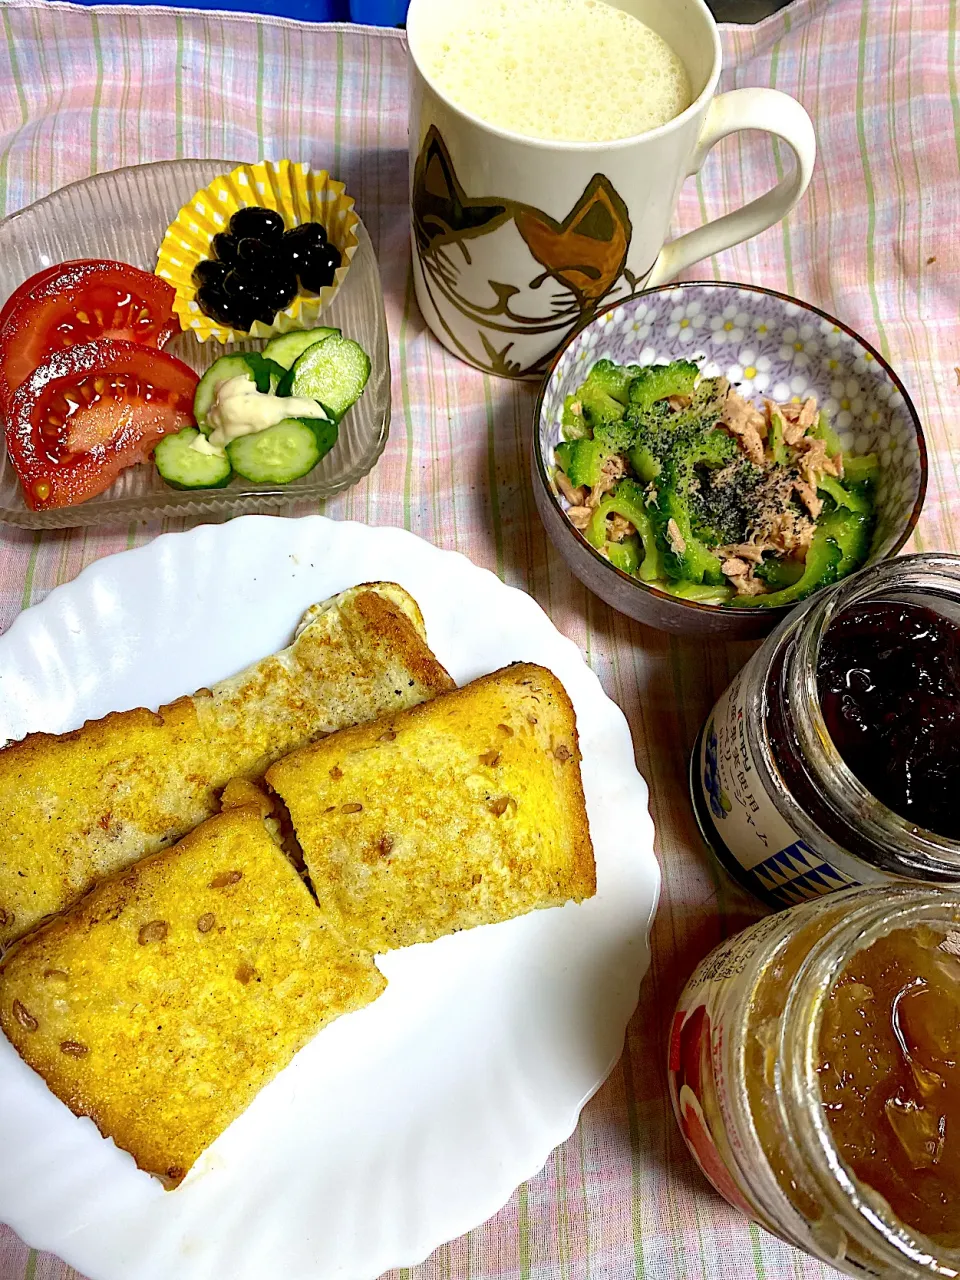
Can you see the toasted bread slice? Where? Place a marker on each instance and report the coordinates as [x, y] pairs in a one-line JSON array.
[[77, 806], [465, 811], [165, 999]]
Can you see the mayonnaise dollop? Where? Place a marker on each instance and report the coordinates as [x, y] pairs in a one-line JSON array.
[[239, 409]]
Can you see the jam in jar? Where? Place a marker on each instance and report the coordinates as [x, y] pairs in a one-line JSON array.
[[814, 1071], [888, 677], [833, 759], [889, 1075]]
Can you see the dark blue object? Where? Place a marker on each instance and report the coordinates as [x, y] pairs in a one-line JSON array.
[[379, 13], [375, 13], [304, 10]]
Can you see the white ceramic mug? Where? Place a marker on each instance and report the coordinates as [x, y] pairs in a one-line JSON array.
[[516, 241]]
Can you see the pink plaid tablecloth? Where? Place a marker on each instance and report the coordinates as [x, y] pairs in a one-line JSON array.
[[874, 242]]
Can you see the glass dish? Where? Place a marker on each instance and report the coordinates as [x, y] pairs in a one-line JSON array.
[[123, 215]]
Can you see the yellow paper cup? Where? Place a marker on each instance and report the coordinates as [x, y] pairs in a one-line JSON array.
[[295, 191]]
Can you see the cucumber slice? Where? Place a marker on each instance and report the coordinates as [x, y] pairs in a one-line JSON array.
[[335, 371], [264, 373], [283, 452], [182, 467], [287, 348], [232, 366]]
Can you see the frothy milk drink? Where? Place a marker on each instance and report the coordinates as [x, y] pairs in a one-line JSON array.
[[570, 70]]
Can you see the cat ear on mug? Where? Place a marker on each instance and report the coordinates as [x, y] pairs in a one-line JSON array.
[[443, 213], [588, 250]]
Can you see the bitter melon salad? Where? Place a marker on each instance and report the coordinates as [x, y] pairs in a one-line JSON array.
[[682, 483]]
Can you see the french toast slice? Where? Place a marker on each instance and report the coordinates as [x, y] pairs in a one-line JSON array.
[[165, 999], [80, 805], [464, 811]]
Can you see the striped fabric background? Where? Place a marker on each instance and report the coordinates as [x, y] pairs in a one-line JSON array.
[[874, 242]]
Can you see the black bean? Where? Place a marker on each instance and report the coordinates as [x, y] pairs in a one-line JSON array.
[[265, 224], [225, 247]]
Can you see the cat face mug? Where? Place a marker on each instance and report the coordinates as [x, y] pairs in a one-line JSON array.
[[519, 235]]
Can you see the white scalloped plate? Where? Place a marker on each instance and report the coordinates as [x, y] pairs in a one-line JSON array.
[[410, 1122]]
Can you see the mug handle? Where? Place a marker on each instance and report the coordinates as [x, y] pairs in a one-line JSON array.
[[772, 112]]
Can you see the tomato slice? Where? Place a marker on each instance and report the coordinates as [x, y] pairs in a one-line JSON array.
[[25, 289], [78, 302], [87, 413]]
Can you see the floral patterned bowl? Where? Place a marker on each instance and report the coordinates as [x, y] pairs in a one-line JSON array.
[[766, 344]]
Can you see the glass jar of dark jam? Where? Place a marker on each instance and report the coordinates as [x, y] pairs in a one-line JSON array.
[[833, 759]]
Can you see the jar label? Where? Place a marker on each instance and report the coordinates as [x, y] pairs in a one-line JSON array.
[[741, 822], [732, 1108], [693, 1093], [699, 1090]]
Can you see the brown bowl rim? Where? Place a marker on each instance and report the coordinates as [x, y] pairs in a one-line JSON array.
[[777, 610]]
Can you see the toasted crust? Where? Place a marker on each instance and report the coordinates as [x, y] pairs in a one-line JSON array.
[[465, 811], [163, 1001], [80, 805]]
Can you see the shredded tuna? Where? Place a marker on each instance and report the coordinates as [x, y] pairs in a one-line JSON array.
[[808, 496], [803, 536], [747, 423], [749, 551], [575, 496], [619, 528], [735, 567], [579, 517], [797, 418], [777, 526], [677, 403], [611, 471], [739, 573], [808, 414], [746, 584], [792, 433], [675, 538], [790, 532], [739, 413], [814, 461], [789, 415]]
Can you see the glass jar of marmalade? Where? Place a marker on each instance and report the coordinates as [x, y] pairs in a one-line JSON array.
[[814, 1071], [833, 759]]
